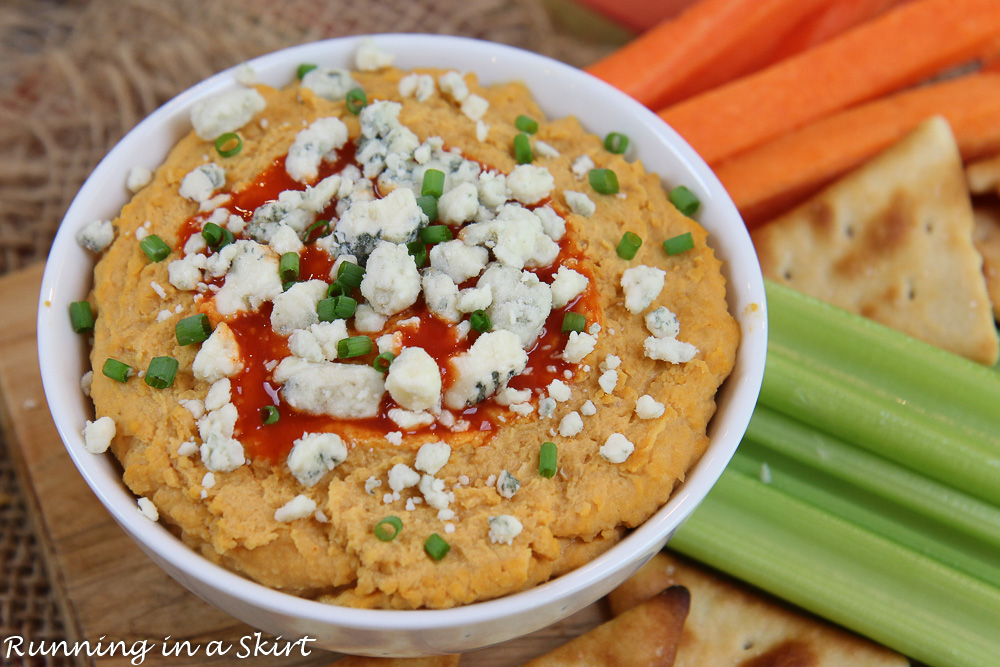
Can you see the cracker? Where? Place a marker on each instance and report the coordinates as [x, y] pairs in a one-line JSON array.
[[983, 176], [646, 635], [986, 236], [730, 624], [892, 241]]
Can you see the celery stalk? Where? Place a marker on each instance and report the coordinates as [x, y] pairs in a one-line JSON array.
[[847, 574]]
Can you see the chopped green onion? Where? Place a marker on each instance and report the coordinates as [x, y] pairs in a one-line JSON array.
[[547, 460], [336, 308], [155, 248], [356, 100], [684, 200], [287, 285], [350, 275], [269, 414], [304, 69], [116, 370], [604, 181], [388, 528], [336, 289], [522, 149], [429, 205], [436, 547], [355, 346], [480, 321], [228, 144], [629, 245], [382, 362], [419, 251], [573, 322], [288, 267], [161, 372], [526, 124], [227, 238], [212, 234], [436, 234], [433, 184], [678, 244], [193, 329], [322, 225], [81, 316], [616, 142]]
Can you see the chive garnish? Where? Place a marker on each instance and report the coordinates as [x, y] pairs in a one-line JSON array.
[[304, 69], [336, 308], [679, 244], [155, 248], [522, 149], [228, 144], [684, 200], [388, 528], [382, 362], [480, 321], [547, 456], [604, 181], [419, 251], [526, 124], [356, 100], [436, 547], [433, 184], [429, 205], [436, 234], [212, 234], [116, 370], [269, 414], [616, 142], [355, 346], [81, 316], [193, 329], [573, 322], [288, 267], [161, 372], [322, 225], [629, 245], [350, 275], [335, 289]]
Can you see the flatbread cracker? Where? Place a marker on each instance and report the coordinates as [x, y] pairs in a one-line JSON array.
[[893, 241], [983, 176], [729, 624], [647, 635], [986, 236]]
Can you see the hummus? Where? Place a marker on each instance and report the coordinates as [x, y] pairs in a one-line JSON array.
[[421, 381]]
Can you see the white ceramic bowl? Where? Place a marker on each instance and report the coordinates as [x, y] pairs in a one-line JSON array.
[[560, 90]]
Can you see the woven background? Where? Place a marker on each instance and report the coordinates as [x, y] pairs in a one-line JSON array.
[[76, 75]]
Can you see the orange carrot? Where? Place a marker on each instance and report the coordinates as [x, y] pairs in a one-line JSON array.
[[739, 33], [772, 178], [890, 52], [638, 15]]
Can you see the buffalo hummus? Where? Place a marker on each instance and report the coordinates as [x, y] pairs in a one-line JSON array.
[[355, 310]]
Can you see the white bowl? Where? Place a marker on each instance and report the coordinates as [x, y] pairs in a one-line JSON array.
[[560, 90]]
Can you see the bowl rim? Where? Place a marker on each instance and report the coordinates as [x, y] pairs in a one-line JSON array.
[[656, 529]]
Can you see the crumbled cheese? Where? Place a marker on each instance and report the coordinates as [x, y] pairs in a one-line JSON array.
[[507, 484], [559, 391], [545, 150], [453, 85], [137, 178], [547, 407], [610, 363], [252, 278], [97, 435], [580, 203], [148, 509], [509, 396], [588, 409], [617, 448], [594, 329], [219, 356], [245, 75], [434, 493], [391, 342], [156, 287], [474, 298], [371, 484], [642, 284], [515, 236], [187, 448], [295, 308], [662, 323], [402, 476], [394, 438], [208, 481], [447, 515], [194, 245], [86, 380], [492, 188], [193, 405], [366, 320], [567, 285], [608, 381], [96, 236], [330, 84], [458, 261], [342, 391], [553, 224], [319, 341], [409, 420], [421, 86], [432, 456], [370, 58], [315, 454], [201, 182], [163, 315], [185, 274], [669, 349], [648, 407], [504, 528], [285, 240], [312, 146], [571, 425], [391, 281], [220, 452], [298, 507], [522, 409], [459, 204], [578, 347], [521, 302], [226, 112], [530, 184], [440, 295], [482, 130], [474, 107], [484, 368], [219, 394], [414, 380], [582, 166]]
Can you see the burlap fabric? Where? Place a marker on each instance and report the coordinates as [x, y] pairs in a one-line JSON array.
[[76, 75]]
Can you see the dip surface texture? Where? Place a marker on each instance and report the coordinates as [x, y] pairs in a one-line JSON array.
[[449, 439]]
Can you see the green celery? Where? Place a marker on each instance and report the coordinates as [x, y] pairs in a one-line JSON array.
[[844, 573]]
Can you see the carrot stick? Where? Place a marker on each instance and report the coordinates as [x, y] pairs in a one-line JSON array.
[[768, 180], [890, 52], [739, 33]]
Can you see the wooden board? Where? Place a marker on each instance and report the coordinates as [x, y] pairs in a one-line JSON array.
[[104, 584]]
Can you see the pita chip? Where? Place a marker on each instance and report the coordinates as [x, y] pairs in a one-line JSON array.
[[892, 241], [364, 661], [646, 635], [986, 236], [731, 624]]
